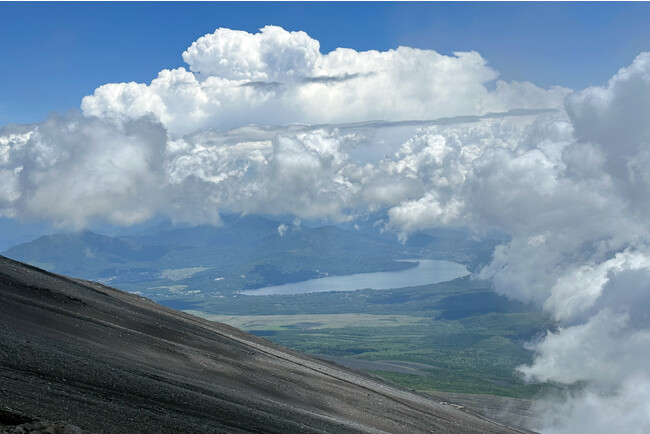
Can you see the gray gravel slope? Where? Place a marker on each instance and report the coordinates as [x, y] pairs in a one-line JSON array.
[[109, 361]]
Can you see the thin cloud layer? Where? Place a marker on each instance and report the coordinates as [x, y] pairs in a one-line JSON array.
[[570, 185]]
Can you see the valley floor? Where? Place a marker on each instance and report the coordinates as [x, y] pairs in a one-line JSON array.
[[456, 336]]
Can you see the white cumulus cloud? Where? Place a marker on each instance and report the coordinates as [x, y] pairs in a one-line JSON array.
[[572, 191], [277, 77], [69, 169]]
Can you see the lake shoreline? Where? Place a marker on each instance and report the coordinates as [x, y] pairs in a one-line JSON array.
[[426, 271]]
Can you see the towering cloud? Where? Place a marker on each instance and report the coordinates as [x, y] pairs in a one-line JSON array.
[[277, 77], [265, 123]]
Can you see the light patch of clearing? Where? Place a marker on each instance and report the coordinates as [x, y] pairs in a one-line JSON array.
[[311, 322], [181, 273]]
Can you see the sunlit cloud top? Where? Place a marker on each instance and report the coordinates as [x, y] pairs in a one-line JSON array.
[[236, 78]]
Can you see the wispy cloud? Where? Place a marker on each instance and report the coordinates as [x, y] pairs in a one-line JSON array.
[[330, 79], [263, 85]]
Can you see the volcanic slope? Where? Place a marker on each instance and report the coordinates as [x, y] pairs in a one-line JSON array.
[[110, 361]]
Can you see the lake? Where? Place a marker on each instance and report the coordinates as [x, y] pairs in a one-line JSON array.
[[428, 271]]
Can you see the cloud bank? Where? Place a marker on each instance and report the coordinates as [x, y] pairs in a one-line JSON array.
[[265, 123], [69, 169]]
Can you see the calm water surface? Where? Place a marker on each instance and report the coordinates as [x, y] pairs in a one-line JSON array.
[[428, 271]]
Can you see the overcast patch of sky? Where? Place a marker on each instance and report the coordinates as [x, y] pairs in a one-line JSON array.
[[53, 54]]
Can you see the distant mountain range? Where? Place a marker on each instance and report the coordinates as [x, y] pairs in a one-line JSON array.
[[246, 252]]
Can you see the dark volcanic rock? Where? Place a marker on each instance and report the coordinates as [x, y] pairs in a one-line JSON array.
[[41, 428], [14, 422], [108, 361]]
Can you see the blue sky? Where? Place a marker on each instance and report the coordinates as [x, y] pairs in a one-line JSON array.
[[53, 54]]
